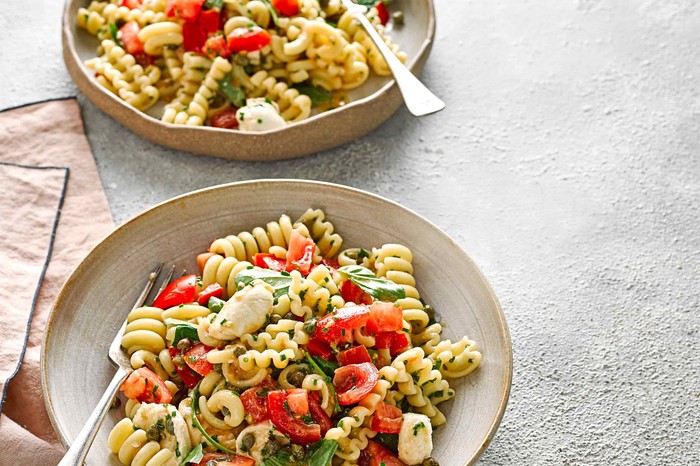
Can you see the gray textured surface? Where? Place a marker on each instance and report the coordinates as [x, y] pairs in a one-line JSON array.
[[566, 164]]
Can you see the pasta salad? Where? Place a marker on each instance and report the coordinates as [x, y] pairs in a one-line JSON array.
[[287, 349], [251, 65]]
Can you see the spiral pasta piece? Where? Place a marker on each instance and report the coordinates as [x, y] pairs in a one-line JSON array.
[[223, 271], [156, 36], [120, 73], [194, 70], [132, 446], [456, 359], [185, 312], [222, 399], [196, 112], [145, 331], [350, 447], [322, 232], [113, 13]]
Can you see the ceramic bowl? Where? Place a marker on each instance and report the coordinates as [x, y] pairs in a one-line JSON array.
[[370, 105], [99, 294]]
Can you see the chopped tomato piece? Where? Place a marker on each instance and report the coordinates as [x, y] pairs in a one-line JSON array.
[[145, 386], [316, 347], [387, 419], [286, 7], [382, 12], [335, 328], [209, 20], [318, 414], [354, 381], [196, 358], [384, 317], [226, 119], [130, 4], [352, 293], [212, 291], [185, 9], [298, 430], [400, 344], [129, 36], [187, 375], [331, 263], [180, 291], [255, 399], [376, 454], [216, 46], [298, 401], [384, 340], [223, 459], [193, 37], [248, 40], [300, 253], [355, 355], [269, 261]]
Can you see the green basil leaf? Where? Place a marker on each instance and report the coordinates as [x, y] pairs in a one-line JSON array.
[[215, 304], [391, 441], [279, 281], [328, 379], [379, 288], [213, 4], [234, 94], [195, 456], [367, 3], [182, 330], [280, 459], [321, 453], [317, 95], [115, 34]]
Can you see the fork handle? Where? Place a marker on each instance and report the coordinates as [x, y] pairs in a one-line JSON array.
[[418, 98], [78, 450]]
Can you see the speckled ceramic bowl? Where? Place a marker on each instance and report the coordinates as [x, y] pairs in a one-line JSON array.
[[370, 105], [99, 294]]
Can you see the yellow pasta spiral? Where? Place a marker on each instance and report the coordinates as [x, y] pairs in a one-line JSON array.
[[145, 330], [133, 447]]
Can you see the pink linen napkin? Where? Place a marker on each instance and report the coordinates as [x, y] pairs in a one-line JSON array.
[[53, 210]]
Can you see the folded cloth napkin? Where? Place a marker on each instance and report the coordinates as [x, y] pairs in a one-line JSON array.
[[53, 210]]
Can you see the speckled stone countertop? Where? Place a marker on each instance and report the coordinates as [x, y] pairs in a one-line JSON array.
[[567, 164]]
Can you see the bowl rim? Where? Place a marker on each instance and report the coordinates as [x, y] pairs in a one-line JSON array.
[[507, 373], [144, 124]]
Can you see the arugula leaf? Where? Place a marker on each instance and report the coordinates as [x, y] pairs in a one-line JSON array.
[[114, 32], [235, 94], [195, 456], [195, 421], [327, 379], [214, 4], [273, 12], [379, 288], [279, 281], [318, 95], [182, 330], [327, 367]]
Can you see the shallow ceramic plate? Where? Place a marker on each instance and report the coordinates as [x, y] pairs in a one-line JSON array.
[[370, 105], [98, 295]]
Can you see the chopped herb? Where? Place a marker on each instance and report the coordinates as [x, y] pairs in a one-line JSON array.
[[417, 427], [234, 94]]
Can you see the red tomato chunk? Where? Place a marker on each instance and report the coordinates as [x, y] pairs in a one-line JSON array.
[[180, 291], [354, 381], [355, 355], [145, 386], [196, 358], [377, 454], [387, 419]]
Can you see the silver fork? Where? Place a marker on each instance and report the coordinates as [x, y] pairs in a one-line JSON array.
[[79, 449], [418, 99]]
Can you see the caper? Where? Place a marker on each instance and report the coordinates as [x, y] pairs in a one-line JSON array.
[[153, 433], [116, 402], [274, 319], [184, 344], [398, 18], [298, 451], [248, 442], [296, 378], [289, 316], [430, 461], [239, 350]]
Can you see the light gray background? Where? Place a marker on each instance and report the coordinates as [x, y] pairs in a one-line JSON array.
[[566, 164]]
